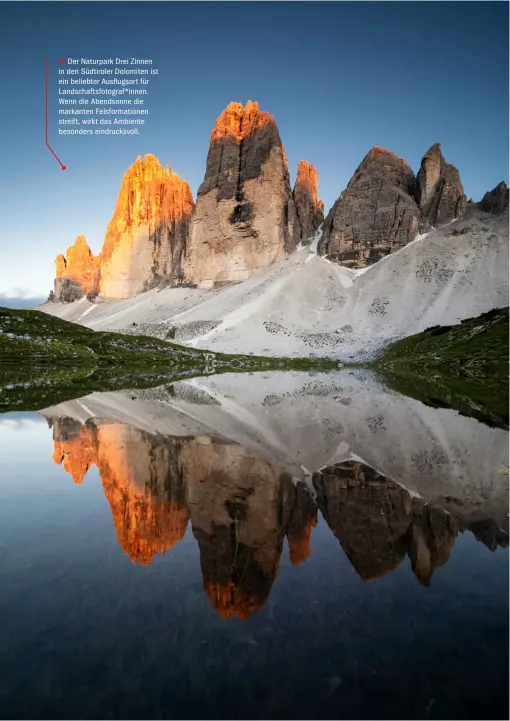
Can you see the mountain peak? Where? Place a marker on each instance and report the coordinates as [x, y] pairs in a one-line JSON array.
[[496, 200], [144, 240], [378, 150], [76, 272], [309, 209], [236, 122], [438, 191], [308, 178]]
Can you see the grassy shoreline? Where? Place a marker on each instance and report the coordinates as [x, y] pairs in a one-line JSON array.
[[45, 360], [464, 367]]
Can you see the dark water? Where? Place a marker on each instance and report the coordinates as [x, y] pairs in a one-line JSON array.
[[147, 574]]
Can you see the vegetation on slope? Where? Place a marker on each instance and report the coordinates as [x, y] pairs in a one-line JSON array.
[[45, 360], [464, 366]]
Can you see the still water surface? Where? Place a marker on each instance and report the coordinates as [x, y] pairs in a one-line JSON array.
[[265, 546]]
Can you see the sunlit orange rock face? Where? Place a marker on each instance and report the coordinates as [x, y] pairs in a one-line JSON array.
[[299, 544], [236, 122], [144, 241], [146, 499], [77, 272], [245, 217], [310, 210], [308, 179], [77, 453], [147, 234]]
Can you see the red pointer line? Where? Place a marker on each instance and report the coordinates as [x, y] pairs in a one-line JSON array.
[[64, 167]]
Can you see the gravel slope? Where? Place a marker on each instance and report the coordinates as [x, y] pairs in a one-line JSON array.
[[307, 305]]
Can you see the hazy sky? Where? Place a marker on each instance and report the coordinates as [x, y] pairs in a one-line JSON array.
[[338, 77]]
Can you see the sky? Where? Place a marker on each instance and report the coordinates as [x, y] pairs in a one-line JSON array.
[[338, 77]]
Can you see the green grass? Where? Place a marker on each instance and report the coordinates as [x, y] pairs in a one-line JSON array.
[[46, 360], [477, 347], [464, 367]]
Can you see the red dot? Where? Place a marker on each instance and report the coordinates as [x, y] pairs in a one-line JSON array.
[[64, 167]]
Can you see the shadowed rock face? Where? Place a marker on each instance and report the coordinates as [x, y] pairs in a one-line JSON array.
[[378, 522], [496, 200], [76, 273], [385, 206], [144, 241], [245, 217], [375, 215], [310, 210], [438, 191]]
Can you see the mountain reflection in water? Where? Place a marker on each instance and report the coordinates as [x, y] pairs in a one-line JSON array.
[[283, 545], [242, 507]]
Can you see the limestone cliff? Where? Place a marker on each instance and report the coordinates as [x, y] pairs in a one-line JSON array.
[[375, 215], [309, 209], [496, 200], [147, 234], [438, 191], [76, 273], [144, 243], [245, 218]]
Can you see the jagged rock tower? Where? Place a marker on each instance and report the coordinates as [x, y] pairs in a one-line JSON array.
[[438, 190], [384, 206], [310, 210], [147, 234], [245, 217], [375, 214], [144, 241], [76, 273]]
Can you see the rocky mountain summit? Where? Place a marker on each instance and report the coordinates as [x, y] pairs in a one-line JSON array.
[[144, 240], [310, 210], [496, 200], [375, 215], [438, 191], [385, 207], [247, 218], [147, 234], [77, 273]]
